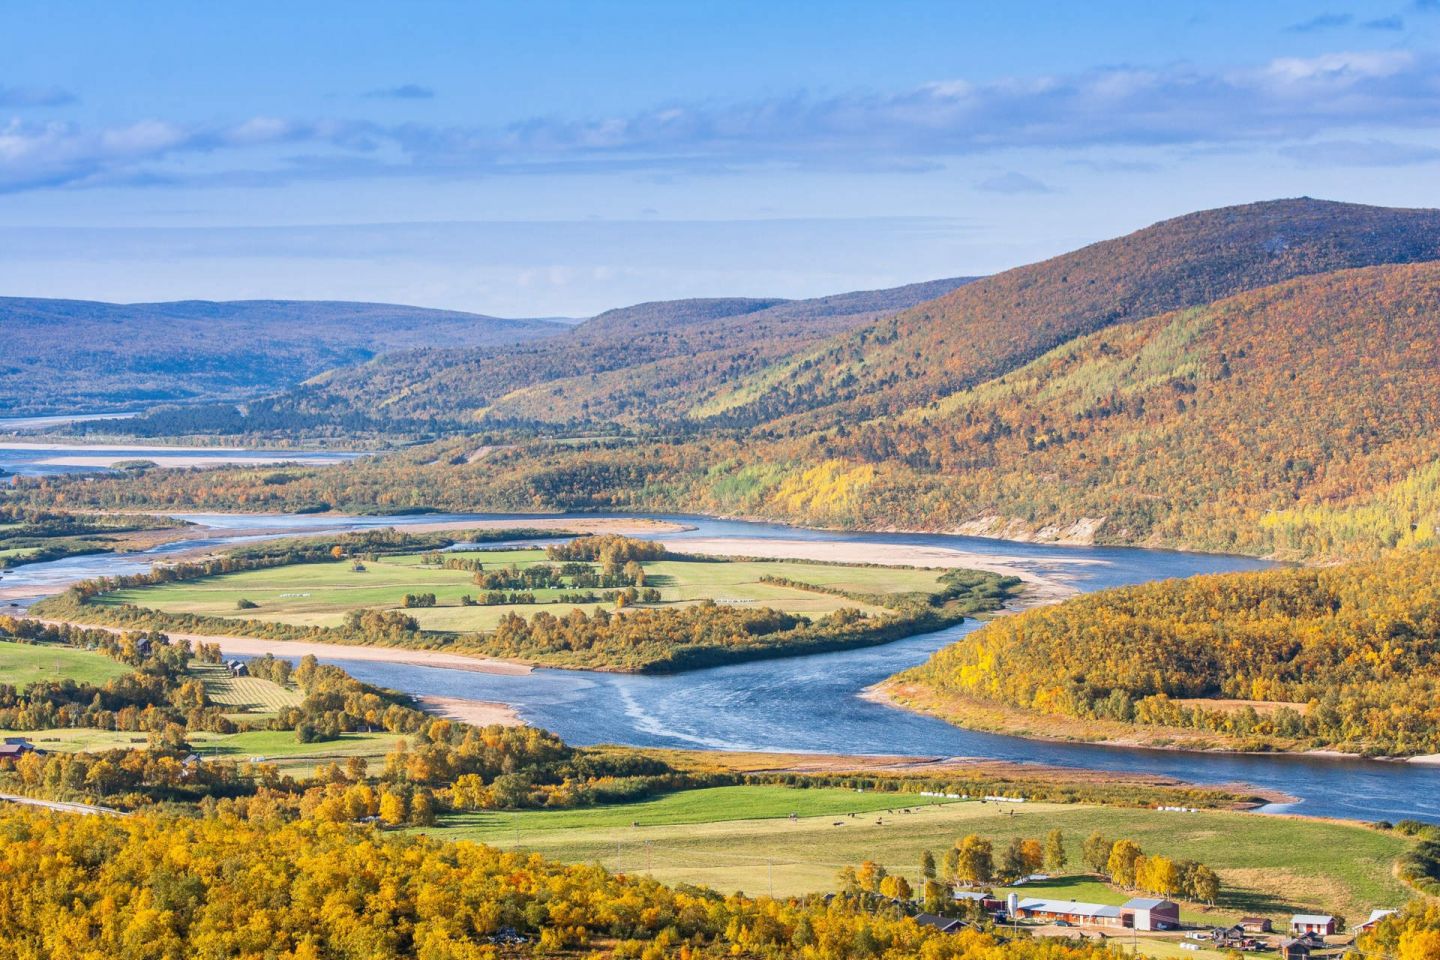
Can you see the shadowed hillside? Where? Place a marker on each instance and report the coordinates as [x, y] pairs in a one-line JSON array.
[[76, 355], [646, 362]]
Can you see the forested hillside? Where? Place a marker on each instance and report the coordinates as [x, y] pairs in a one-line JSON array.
[[76, 355], [990, 327], [1296, 418], [1225, 427], [1340, 657], [633, 365]]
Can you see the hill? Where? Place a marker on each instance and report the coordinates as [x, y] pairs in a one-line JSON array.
[[985, 329], [636, 365], [1259, 423], [1341, 657], [1295, 418], [77, 355]]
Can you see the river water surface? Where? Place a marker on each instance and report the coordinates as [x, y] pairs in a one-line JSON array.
[[813, 703]]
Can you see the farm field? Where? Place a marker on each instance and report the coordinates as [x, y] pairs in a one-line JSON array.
[[732, 839], [275, 746], [250, 696], [709, 805], [24, 663], [319, 594]]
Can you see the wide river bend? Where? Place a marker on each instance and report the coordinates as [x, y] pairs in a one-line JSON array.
[[813, 703]]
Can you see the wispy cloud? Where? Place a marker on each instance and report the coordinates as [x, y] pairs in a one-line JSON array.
[[405, 91], [34, 96], [1283, 101], [1325, 21], [1393, 22], [1361, 153], [1013, 183]]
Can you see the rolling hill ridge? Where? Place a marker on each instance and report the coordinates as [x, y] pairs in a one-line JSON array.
[[1259, 379], [80, 355], [987, 328], [631, 366]]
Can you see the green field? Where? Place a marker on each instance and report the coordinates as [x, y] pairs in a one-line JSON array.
[[741, 838], [24, 663], [273, 746], [251, 697], [688, 807], [319, 594]]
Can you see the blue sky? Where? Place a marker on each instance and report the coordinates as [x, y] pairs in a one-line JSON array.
[[550, 158]]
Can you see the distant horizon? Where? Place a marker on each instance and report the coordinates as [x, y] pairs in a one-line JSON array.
[[327, 150], [74, 239]]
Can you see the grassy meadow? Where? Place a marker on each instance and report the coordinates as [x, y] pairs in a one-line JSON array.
[[742, 838], [24, 663], [320, 594]]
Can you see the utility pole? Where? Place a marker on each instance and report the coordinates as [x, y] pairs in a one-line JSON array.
[[770, 871]]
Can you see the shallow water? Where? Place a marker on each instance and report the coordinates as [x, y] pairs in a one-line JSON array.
[[37, 459]]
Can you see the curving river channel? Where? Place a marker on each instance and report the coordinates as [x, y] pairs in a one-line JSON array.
[[813, 703]]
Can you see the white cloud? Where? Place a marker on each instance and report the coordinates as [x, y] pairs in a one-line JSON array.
[[1283, 101], [1014, 183]]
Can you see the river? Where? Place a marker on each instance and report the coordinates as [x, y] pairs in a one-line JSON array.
[[812, 704], [28, 458]]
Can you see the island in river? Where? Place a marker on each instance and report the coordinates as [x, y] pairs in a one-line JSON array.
[[601, 602]]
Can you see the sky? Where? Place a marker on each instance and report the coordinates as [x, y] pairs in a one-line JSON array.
[[549, 158]]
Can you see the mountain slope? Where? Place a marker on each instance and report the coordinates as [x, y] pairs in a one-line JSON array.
[[67, 355], [652, 361], [987, 328], [1298, 418]]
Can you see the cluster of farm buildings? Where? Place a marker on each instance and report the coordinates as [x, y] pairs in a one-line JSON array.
[[1305, 933]]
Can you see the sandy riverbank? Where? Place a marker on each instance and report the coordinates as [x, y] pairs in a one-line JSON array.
[[477, 713], [761, 762], [625, 526], [295, 649], [1039, 590]]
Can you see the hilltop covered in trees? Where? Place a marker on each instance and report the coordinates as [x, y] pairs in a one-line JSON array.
[[1339, 657]]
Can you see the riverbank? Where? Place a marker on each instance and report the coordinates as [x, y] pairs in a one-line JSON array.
[[477, 713], [1039, 590], [973, 714], [1237, 796], [295, 649]]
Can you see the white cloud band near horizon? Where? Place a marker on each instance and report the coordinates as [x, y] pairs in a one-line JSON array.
[[1283, 102]]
